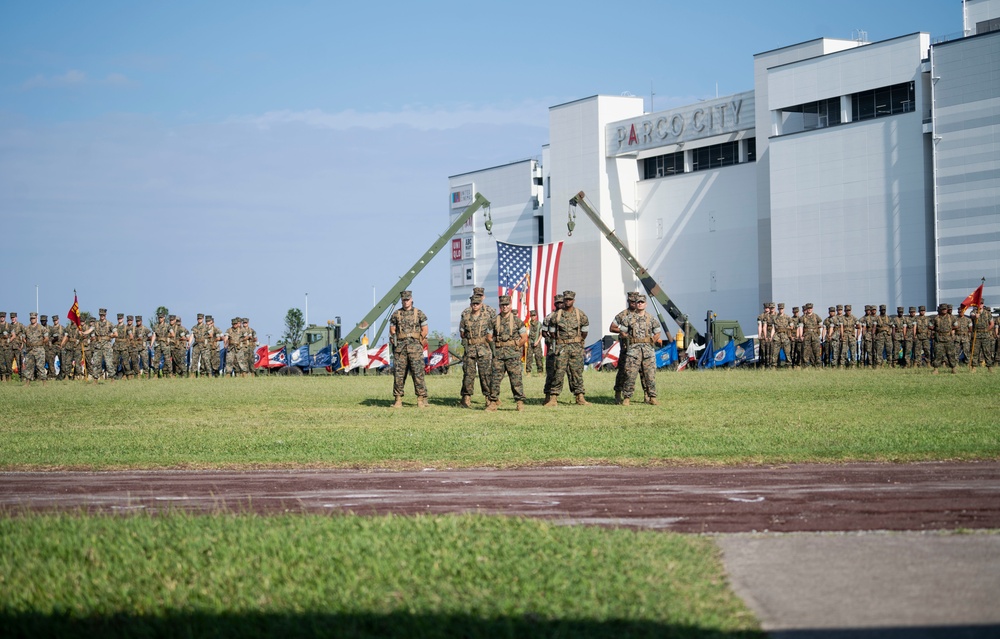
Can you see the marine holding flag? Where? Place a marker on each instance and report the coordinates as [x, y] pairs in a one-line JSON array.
[[408, 334]]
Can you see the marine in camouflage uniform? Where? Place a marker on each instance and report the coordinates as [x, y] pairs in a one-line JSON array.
[[781, 337], [570, 326], [882, 344], [72, 352], [642, 333], [849, 347], [909, 337], [476, 331], [509, 337], [548, 334], [796, 337], [122, 359], [810, 328], [210, 337], [763, 333], [408, 334], [535, 352], [922, 339], [143, 334], [232, 342], [101, 357], [896, 325], [181, 342], [832, 333], [54, 349], [161, 346], [132, 348], [963, 337], [616, 328], [984, 346], [6, 352], [943, 330], [33, 338], [198, 344], [249, 345]]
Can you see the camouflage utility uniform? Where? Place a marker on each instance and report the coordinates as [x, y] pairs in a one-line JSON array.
[[407, 329], [476, 332], [570, 327], [508, 334], [642, 334]]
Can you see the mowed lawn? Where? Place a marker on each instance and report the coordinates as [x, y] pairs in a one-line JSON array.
[[705, 417], [241, 575]]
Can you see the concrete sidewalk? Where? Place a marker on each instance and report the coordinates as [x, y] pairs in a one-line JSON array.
[[866, 585]]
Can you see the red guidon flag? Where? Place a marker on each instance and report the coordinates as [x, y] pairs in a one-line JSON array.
[[975, 298], [74, 311]]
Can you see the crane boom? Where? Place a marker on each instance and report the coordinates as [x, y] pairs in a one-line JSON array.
[[645, 278], [392, 295]]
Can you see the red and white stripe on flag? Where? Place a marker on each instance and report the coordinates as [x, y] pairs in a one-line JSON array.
[[530, 275]]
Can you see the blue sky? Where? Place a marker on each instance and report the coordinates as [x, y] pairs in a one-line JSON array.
[[232, 157]]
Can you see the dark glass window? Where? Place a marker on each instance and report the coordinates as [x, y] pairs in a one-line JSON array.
[[715, 156], [751, 149], [877, 103], [663, 165]]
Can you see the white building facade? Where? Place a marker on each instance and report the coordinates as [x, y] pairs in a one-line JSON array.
[[853, 173]]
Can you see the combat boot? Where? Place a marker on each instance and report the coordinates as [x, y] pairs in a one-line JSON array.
[[618, 397], [552, 401], [625, 401], [491, 407], [399, 402], [422, 402], [520, 406], [466, 402], [581, 400], [652, 401]]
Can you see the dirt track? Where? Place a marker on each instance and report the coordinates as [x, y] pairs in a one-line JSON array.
[[925, 496]]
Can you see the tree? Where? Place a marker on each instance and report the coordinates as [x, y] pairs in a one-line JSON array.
[[160, 310], [294, 327], [85, 317]]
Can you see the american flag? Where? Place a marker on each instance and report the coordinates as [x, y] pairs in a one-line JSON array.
[[530, 275]]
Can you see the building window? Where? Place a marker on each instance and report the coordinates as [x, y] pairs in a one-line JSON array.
[[882, 102], [751, 149], [715, 156], [541, 229], [809, 116], [663, 165]]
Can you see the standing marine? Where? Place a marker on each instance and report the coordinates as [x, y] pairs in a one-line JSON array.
[[408, 335], [570, 327], [509, 337], [534, 353], [642, 334], [476, 331], [616, 327]]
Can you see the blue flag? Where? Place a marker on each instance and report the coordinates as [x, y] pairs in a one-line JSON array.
[[745, 352], [300, 357], [712, 357], [323, 358], [593, 354], [667, 355]]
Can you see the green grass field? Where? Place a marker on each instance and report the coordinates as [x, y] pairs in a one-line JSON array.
[[245, 575], [711, 417]]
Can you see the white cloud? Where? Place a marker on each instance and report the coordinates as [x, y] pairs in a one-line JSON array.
[[524, 114]]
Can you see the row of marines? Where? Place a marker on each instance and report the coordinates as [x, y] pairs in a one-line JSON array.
[[877, 339], [495, 344], [127, 349]]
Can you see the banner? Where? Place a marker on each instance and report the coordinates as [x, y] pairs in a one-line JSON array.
[[323, 358], [530, 275], [593, 354], [666, 355], [611, 356], [300, 357], [712, 357], [437, 359], [74, 311], [975, 298], [379, 357]]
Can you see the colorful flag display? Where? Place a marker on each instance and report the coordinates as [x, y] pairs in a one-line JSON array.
[[438, 358], [300, 357], [379, 357], [975, 298], [263, 357], [612, 355], [530, 275]]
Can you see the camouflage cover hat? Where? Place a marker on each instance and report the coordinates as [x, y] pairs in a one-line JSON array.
[[922, 308], [881, 307], [505, 300], [246, 320], [201, 316], [55, 317], [781, 305], [406, 295], [899, 309], [121, 316], [640, 297], [476, 298], [3, 313], [103, 311], [913, 309], [808, 306], [795, 309], [632, 296], [478, 290], [160, 315], [558, 298], [569, 295], [847, 307], [235, 321], [172, 318], [129, 318], [533, 313], [44, 318], [840, 307], [208, 318], [13, 314], [832, 309], [33, 315], [138, 319], [770, 304]]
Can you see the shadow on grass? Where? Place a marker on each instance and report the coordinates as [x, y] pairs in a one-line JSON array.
[[338, 625]]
